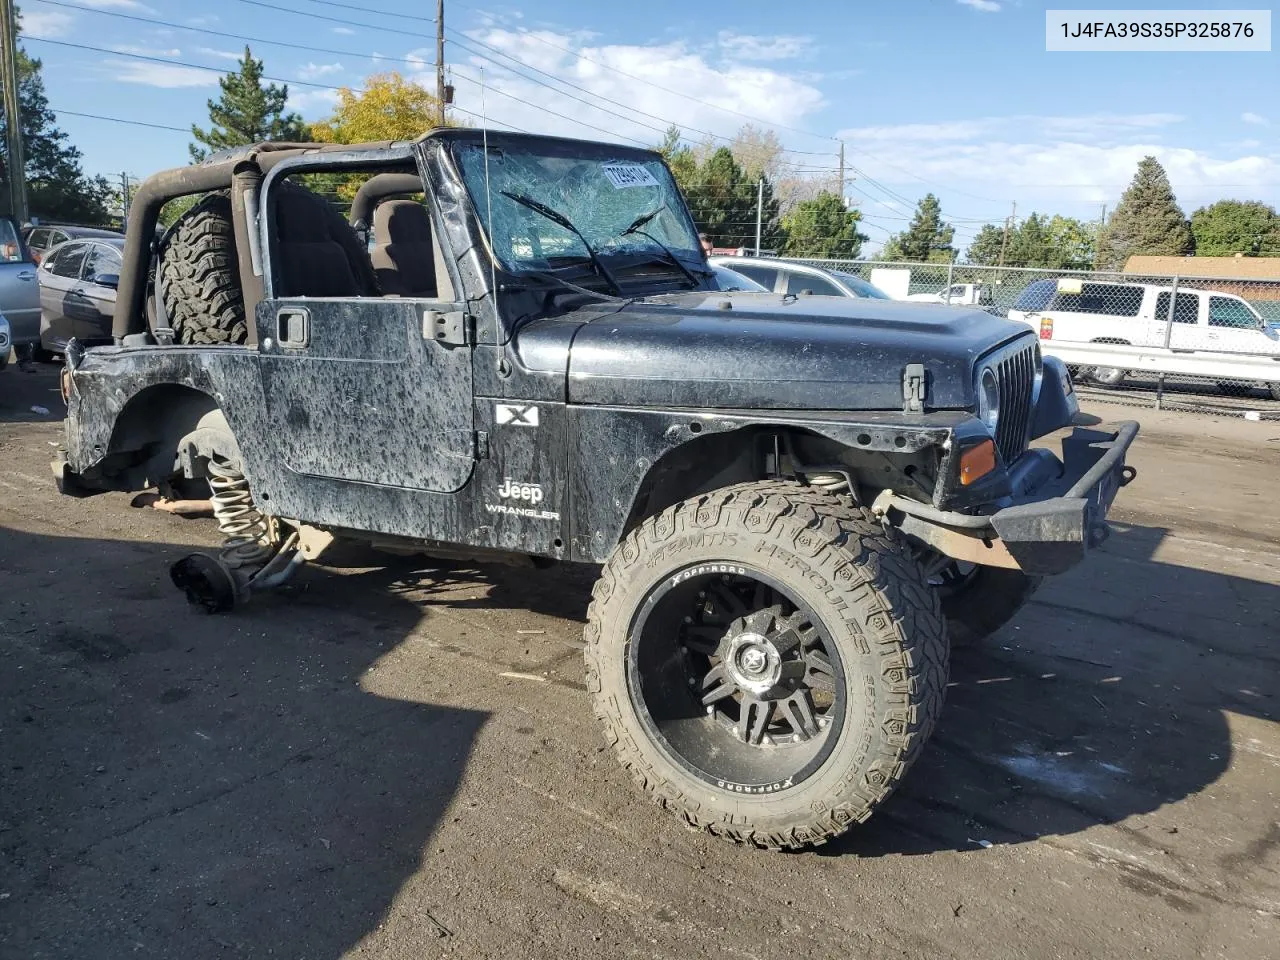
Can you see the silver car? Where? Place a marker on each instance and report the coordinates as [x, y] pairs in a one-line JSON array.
[[786, 277], [19, 289]]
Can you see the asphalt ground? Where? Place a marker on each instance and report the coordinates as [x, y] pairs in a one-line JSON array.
[[397, 758]]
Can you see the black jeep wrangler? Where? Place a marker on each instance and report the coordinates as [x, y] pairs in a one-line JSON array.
[[512, 346]]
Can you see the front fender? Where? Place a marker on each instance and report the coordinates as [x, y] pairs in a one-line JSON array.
[[619, 448], [1057, 404]]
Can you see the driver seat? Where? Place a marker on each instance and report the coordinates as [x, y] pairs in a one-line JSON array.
[[403, 254]]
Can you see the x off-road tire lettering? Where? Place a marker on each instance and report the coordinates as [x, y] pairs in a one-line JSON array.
[[875, 601]]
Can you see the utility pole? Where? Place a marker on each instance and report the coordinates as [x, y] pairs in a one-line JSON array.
[[1004, 244], [16, 163], [759, 211], [124, 196], [842, 171], [1097, 245], [439, 58]]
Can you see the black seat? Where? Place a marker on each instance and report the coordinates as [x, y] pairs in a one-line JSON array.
[[403, 256], [320, 254]]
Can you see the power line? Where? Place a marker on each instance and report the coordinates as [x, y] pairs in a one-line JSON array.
[[413, 61], [465, 45], [136, 123], [173, 63], [498, 90], [366, 9], [623, 73], [345, 21]]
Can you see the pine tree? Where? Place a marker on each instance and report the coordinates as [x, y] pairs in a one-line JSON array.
[[984, 249], [57, 188], [823, 227], [247, 112], [679, 157], [1148, 220], [926, 239]]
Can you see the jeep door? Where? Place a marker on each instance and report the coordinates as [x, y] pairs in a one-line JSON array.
[[359, 386]]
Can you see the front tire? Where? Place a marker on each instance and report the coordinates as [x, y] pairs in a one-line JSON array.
[[767, 662]]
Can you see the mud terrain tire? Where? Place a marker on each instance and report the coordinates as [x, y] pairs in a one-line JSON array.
[[200, 275], [866, 593]]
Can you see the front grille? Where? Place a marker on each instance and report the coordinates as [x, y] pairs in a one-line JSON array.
[[1016, 373]]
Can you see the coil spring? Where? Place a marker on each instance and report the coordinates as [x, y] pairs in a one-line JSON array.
[[247, 531], [829, 482]]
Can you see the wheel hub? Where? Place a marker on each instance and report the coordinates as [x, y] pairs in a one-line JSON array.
[[753, 663]]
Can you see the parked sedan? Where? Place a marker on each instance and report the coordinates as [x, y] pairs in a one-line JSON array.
[[78, 283], [41, 240], [728, 279], [798, 279]]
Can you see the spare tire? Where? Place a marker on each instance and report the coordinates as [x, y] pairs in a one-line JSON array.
[[200, 272], [200, 275]]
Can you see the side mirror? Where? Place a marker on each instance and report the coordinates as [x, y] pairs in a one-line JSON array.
[[111, 280]]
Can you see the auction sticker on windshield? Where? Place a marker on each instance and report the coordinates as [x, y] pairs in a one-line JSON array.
[[623, 175]]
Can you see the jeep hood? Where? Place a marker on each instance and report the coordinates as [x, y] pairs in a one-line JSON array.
[[766, 351]]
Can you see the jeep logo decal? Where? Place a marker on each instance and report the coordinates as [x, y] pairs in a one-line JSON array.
[[510, 490]]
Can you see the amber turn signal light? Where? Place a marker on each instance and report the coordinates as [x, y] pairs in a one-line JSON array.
[[1046, 328], [977, 462]]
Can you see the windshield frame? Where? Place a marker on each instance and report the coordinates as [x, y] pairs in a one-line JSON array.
[[462, 149]]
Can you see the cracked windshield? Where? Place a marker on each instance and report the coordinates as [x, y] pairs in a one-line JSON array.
[[600, 196]]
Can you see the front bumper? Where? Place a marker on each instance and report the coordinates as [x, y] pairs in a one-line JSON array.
[[1049, 528]]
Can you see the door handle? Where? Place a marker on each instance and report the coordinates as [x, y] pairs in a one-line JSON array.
[[26, 274], [293, 327]]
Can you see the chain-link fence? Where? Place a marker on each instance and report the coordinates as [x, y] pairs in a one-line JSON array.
[[1210, 344]]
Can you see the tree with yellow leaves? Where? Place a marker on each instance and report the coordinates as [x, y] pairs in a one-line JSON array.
[[389, 107]]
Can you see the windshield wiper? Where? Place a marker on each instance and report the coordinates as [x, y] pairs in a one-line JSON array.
[[546, 276], [555, 216], [643, 219]]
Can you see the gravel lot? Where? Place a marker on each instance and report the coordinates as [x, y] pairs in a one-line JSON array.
[[393, 759]]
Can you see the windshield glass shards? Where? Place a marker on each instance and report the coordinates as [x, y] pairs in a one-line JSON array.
[[600, 197]]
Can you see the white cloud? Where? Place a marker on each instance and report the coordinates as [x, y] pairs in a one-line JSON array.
[[1256, 119], [147, 51], [313, 71], [203, 20], [220, 54], [746, 47], [46, 23], [161, 75], [114, 4], [1099, 127], [671, 69], [1059, 164], [343, 31], [986, 6], [312, 103]]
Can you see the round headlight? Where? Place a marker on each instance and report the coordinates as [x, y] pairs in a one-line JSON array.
[[989, 399]]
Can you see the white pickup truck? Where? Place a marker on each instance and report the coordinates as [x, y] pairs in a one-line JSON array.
[[958, 294], [1075, 310]]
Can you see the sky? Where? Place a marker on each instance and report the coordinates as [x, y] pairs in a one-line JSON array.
[[953, 97]]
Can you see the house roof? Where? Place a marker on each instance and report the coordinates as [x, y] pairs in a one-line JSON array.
[[1233, 268]]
